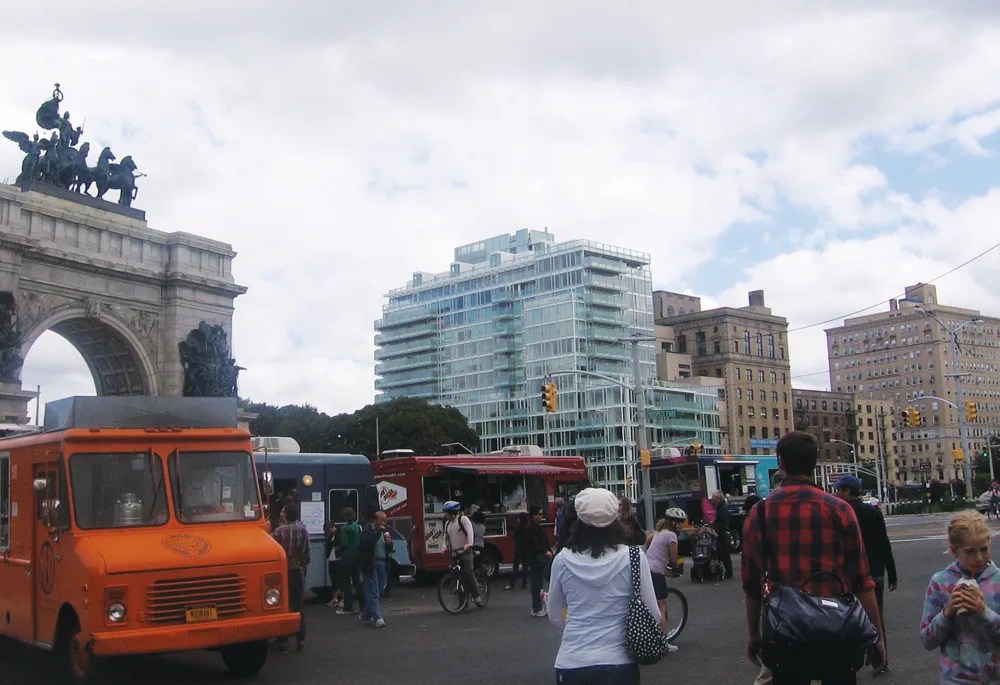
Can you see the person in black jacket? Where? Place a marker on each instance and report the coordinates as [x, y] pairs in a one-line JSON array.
[[722, 529], [536, 554], [520, 561], [881, 564]]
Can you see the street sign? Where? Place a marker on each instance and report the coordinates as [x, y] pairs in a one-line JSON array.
[[660, 414], [925, 466], [760, 443]]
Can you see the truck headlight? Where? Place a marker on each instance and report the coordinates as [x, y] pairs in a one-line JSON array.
[[272, 597], [116, 612]]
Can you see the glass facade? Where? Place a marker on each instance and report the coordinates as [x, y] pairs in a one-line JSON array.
[[514, 309]]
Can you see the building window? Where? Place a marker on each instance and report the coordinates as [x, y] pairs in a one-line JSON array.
[[737, 369], [717, 346], [774, 378], [760, 345], [786, 414], [753, 432], [750, 411], [776, 414], [736, 347], [763, 412], [782, 352], [718, 373], [783, 380], [798, 403], [774, 396], [682, 345], [764, 432], [824, 405], [770, 345], [750, 375], [813, 421], [739, 393], [746, 342], [750, 394], [760, 376], [739, 411]]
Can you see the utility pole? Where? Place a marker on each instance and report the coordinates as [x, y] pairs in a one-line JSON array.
[[642, 442], [880, 455]]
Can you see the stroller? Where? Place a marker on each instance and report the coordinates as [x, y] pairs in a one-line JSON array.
[[705, 562]]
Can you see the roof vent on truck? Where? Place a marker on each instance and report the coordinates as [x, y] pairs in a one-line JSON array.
[[140, 412]]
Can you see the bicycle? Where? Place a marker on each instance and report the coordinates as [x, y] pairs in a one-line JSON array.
[[451, 590], [677, 613]]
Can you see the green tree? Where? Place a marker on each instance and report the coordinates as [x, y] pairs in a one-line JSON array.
[[404, 423]]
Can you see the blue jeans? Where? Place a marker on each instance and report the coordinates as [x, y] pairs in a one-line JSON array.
[[374, 586], [619, 674]]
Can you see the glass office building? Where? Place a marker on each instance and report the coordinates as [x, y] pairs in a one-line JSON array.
[[517, 309]]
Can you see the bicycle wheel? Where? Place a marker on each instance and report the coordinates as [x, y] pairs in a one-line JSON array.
[[451, 595], [484, 589], [677, 613]]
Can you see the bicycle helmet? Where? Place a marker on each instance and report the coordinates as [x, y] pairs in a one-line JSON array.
[[675, 514], [452, 507]]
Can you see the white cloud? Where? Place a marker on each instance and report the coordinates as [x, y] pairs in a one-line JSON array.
[[341, 147]]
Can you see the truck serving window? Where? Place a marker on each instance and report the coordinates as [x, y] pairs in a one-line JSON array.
[[118, 490], [213, 486]]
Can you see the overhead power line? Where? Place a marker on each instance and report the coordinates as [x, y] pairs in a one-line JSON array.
[[886, 301]]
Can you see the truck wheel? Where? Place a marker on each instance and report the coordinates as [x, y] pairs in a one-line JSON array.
[[490, 561], [76, 662], [245, 659]]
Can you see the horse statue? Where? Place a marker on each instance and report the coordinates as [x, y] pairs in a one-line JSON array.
[[72, 163], [91, 175], [121, 177]]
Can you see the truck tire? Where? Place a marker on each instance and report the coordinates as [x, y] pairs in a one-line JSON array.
[[77, 664], [246, 658], [490, 561]]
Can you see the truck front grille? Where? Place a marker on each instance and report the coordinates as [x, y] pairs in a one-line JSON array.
[[167, 600]]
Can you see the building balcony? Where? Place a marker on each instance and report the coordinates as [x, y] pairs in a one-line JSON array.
[[404, 317], [604, 283], [603, 300], [603, 264], [406, 348], [596, 315], [406, 363], [418, 331], [408, 378], [610, 334], [504, 328]]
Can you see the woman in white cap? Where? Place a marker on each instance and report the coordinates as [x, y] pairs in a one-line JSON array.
[[589, 594]]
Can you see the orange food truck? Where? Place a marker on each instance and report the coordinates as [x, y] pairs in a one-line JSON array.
[[413, 490], [133, 525]]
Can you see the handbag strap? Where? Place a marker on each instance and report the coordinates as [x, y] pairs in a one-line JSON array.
[[763, 539], [633, 562]]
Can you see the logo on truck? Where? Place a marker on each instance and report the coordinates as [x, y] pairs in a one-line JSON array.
[[187, 545], [390, 495]]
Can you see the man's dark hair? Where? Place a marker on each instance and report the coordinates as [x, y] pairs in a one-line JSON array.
[[349, 515], [478, 517], [594, 540], [797, 453], [535, 510], [291, 512]]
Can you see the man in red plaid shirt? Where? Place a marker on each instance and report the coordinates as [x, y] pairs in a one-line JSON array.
[[808, 531]]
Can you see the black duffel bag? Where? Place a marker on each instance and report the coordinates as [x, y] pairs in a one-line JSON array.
[[812, 637]]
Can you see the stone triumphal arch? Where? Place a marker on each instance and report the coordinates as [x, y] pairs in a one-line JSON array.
[[124, 295]]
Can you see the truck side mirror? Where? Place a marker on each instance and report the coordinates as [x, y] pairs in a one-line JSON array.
[[268, 483], [39, 484], [50, 513]]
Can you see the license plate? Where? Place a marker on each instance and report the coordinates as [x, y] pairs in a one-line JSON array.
[[201, 614]]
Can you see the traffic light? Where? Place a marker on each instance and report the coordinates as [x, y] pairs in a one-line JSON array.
[[550, 397], [696, 449], [970, 411], [915, 420], [628, 479], [906, 414]]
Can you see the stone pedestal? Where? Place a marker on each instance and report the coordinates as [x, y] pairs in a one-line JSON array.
[[123, 294]]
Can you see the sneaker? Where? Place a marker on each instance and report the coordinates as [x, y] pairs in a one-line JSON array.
[[539, 613], [508, 587], [334, 604], [342, 611], [361, 617], [380, 623], [478, 601], [300, 646], [671, 648]]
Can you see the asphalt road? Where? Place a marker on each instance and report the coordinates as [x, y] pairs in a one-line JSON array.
[[503, 644]]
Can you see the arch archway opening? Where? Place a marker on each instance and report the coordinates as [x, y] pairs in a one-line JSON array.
[[57, 370]]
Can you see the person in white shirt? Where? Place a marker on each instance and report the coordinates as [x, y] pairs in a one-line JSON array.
[[458, 529], [589, 593]]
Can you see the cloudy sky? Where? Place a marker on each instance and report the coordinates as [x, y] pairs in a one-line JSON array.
[[828, 156]]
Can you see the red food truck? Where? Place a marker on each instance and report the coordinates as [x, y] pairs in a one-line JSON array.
[[412, 490]]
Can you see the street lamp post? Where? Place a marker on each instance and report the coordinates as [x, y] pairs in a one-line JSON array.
[[963, 426], [642, 442]]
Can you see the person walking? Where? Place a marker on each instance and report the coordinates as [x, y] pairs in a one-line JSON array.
[[961, 615], [807, 530], [348, 544], [878, 550], [294, 539], [520, 563], [631, 530], [723, 539], [537, 553], [589, 596], [332, 565], [373, 558]]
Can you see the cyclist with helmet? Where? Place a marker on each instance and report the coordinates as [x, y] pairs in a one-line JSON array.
[[662, 556], [460, 538]]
